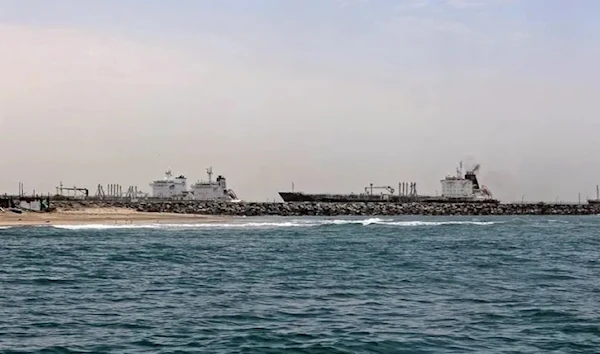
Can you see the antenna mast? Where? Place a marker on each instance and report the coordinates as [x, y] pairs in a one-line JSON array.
[[209, 172]]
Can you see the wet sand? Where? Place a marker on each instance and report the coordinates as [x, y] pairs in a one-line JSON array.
[[108, 216]]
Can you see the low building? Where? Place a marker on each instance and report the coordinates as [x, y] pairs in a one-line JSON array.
[[25, 203]]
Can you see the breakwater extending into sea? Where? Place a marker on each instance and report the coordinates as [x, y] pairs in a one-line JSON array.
[[334, 209]]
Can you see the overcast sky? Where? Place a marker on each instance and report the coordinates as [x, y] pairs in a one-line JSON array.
[[329, 94]]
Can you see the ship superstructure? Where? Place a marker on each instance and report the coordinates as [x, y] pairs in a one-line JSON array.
[[212, 190], [465, 187], [169, 187]]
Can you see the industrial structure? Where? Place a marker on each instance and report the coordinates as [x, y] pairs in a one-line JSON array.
[[115, 191], [73, 192]]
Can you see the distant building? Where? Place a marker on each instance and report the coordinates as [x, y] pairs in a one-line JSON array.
[[25, 203]]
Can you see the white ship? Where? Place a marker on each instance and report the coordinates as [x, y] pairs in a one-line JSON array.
[[176, 188], [213, 190], [169, 187], [465, 187]]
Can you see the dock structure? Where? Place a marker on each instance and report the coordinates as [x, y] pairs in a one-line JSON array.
[[25, 203]]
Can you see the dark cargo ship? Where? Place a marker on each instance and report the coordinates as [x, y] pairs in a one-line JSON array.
[[455, 189], [304, 197]]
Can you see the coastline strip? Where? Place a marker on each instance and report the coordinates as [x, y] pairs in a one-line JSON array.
[[104, 216]]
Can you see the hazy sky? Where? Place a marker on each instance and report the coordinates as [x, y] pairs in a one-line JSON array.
[[329, 94]]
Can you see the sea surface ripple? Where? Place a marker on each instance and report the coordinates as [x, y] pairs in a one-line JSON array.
[[304, 285]]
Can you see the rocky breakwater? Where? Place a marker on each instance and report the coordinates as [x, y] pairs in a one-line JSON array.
[[336, 209]]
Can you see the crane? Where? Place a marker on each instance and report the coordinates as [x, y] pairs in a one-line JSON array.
[[60, 189], [369, 189]]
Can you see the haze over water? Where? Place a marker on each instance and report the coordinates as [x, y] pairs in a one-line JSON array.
[[310, 285]]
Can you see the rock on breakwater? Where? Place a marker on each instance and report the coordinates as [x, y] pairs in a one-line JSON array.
[[333, 209]]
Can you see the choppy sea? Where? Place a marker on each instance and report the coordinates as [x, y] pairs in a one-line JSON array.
[[304, 285]]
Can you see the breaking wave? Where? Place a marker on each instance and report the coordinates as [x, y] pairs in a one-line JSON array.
[[275, 224], [391, 222]]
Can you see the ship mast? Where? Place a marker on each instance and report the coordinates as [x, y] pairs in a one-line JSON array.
[[209, 172]]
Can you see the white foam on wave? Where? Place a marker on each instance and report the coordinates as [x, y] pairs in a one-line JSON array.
[[391, 222], [5, 227], [440, 223], [273, 224], [347, 222], [104, 227], [181, 226], [553, 221]]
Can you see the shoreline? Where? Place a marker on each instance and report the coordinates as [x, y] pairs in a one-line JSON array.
[[103, 216], [124, 212]]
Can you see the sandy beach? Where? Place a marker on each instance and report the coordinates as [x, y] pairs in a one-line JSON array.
[[108, 216]]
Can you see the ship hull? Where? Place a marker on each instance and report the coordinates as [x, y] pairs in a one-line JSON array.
[[333, 198], [358, 198]]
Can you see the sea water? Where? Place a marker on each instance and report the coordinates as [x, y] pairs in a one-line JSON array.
[[304, 285]]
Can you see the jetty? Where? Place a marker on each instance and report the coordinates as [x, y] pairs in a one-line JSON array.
[[333, 209]]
